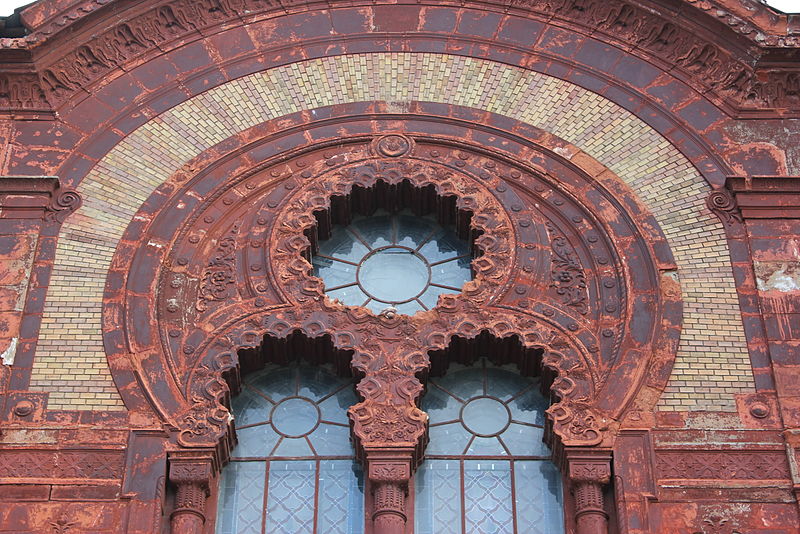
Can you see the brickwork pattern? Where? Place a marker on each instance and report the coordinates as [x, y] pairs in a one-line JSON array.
[[712, 363]]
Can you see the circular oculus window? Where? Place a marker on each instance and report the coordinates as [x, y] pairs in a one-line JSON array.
[[398, 260]]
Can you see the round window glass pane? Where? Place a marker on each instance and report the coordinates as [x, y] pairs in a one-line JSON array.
[[393, 275], [295, 417], [393, 260], [485, 416]]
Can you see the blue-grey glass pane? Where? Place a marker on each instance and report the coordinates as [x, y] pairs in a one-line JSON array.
[[275, 382], [440, 406], [486, 447], [539, 498], [431, 296], [529, 407], [334, 273], [334, 408], [349, 296], [448, 439], [255, 441], [505, 383], [523, 440], [316, 382], [331, 440], [444, 245], [453, 273], [341, 498], [343, 245], [295, 417], [376, 230], [438, 497], [408, 308], [463, 382], [290, 501], [241, 498], [393, 275], [293, 448], [249, 407], [412, 230], [485, 416], [487, 497]]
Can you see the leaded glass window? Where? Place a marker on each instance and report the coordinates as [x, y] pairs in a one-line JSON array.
[[392, 260], [486, 469], [293, 471]]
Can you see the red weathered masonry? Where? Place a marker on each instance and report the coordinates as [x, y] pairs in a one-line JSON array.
[[626, 173]]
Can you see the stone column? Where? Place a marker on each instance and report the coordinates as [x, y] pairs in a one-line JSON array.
[[388, 478], [587, 476], [191, 477]]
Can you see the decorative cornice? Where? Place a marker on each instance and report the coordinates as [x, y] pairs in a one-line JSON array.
[[33, 197], [766, 197], [742, 73]]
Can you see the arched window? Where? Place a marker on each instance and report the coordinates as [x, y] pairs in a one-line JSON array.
[[486, 469], [293, 470], [400, 260]]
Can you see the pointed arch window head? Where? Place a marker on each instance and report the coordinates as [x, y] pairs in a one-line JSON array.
[[393, 260]]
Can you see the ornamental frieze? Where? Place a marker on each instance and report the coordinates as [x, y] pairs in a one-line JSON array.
[[729, 75], [722, 465]]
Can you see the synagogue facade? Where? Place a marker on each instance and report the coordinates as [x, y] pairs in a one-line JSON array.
[[419, 266]]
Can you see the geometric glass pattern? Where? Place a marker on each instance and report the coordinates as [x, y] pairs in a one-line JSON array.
[[293, 470], [392, 260], [486, 468]]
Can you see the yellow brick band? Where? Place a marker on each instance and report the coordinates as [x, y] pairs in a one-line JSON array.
[[712, 363]]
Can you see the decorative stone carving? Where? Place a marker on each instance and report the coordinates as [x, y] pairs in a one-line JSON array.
[[191, 477], [723, 203], [722, 465], [63, 203], [62, 525], [730, 76], [70, 464], [22, 92], [567, 276], [389, 482], [219, 279], [588, 475]]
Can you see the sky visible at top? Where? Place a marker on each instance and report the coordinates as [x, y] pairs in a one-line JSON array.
[[787, 6]]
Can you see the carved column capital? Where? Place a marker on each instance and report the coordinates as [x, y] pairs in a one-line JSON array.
[[389, 471], [588, 472], [192, 479]]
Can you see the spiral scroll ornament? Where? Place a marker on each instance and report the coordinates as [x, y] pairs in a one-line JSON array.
[[723, 203], [63, 203]]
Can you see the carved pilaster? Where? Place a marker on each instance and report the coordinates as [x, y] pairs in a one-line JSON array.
[[389, 473], [191, 478], [588, 475]]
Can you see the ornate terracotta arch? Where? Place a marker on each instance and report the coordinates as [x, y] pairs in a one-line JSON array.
[[568, 261]]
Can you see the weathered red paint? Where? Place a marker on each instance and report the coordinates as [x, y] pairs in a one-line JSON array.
[[695, 71]]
